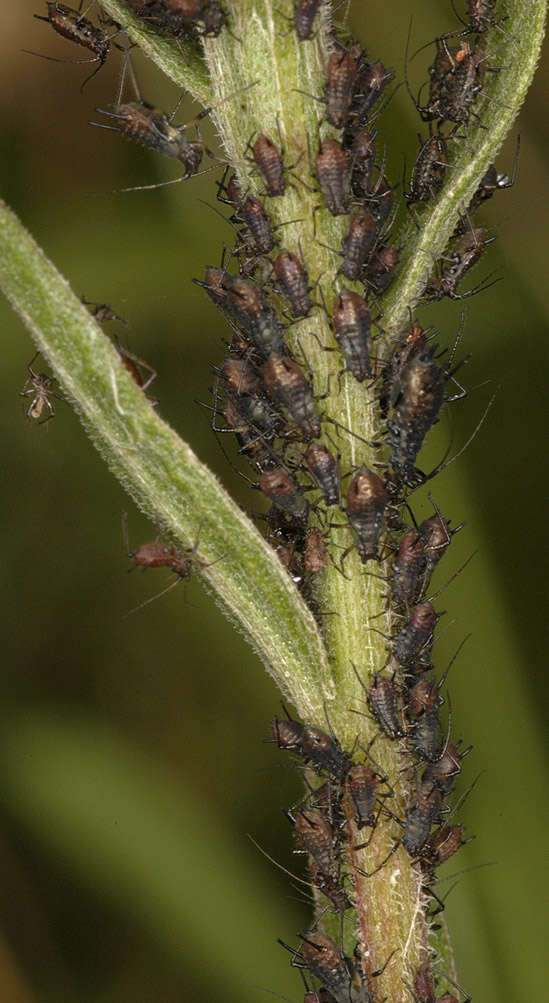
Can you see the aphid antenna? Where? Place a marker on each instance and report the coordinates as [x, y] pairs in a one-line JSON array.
[[443, 465], [443, 975], [465, 870], [284, 870], [435, 595], [157, 595]]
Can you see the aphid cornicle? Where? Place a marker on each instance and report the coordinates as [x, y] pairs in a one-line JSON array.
[[409, 568], [358, 243], [294, 282], [333, 171], [416, 411], [341, 74], [416, 635], [367, 500], [352, 321], [271, 165], [384, 704], [325, 470], [280, 488], [287, 384]]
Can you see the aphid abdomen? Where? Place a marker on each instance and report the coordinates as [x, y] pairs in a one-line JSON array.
[[351, 319], [367, 500]]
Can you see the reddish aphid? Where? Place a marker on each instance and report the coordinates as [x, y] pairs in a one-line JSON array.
[[341, 74], [423, 984], [287, 384], [384, 704], [409, 568], [245, 304], [352, 320], [415, 638], [358, 243], [443, 844], [271, 165], [325, 470], [333, 171], [367, 500], [315, 555], [136, 368], [294, 282], [280, 488]]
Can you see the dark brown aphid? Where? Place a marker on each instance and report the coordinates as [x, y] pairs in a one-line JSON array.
[[183, 17], [271, 165], [358, 243], [39, 386], [371, 81], [361, 788], [323, 958], [325, 470], [250, 439], [316, 836], [424, 733], [242, 387], [443, 844], [252, 213], [318, 996], [423, 984], [428, 171], [294, 282], [441, 773], [480, 17], [456, 80], [341, 74], [417, 634], [383, 701], [420, 818], [287, 384], [325, 753], [363, 155], [437, 536], [411, 342], [352, 320], [333, 889], [333, 171], [465, 254], [381, 201], [315, 555], [280, 488], [144, 124], [71, 24], [381, 268], [416, 411], [304, 14], [409, 569], [367, 500], [288, 735], [245, 304]]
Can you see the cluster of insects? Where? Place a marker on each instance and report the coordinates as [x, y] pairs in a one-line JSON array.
[[266, 397]]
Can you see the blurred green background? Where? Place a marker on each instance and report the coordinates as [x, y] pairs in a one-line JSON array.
[[132, 761]]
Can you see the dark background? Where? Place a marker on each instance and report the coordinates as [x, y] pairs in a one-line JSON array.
[[133, 764]]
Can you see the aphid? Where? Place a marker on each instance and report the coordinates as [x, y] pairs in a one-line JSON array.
[[280, 488], [341, 74], [271, 165], [420, 818], [352, 320], [480, 17], [358, 243], [288, 735], [361, 787], [39, 386], [443, 844], [428, 170], [244, 303], [134, 366], [325, 753], [441, 773], [363, 155], [325, 470], [409, 568], [71, 24], [293, 280], [381, 268], [102, 312], [252, 212], [251, 439], [183, 17], [437, 536], [371, 81], [381, 200], [464, 255], [456, 80], [287, 384], [411, 342], [367, 499], [318, 996], [424, 731], [242, 383], [416, 411], [315, 834], [383, 701], [323, 958], [416, 635], [333, 171], [315, 555], [141, 122], [423, 984], [304, 14], [330, 887]]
